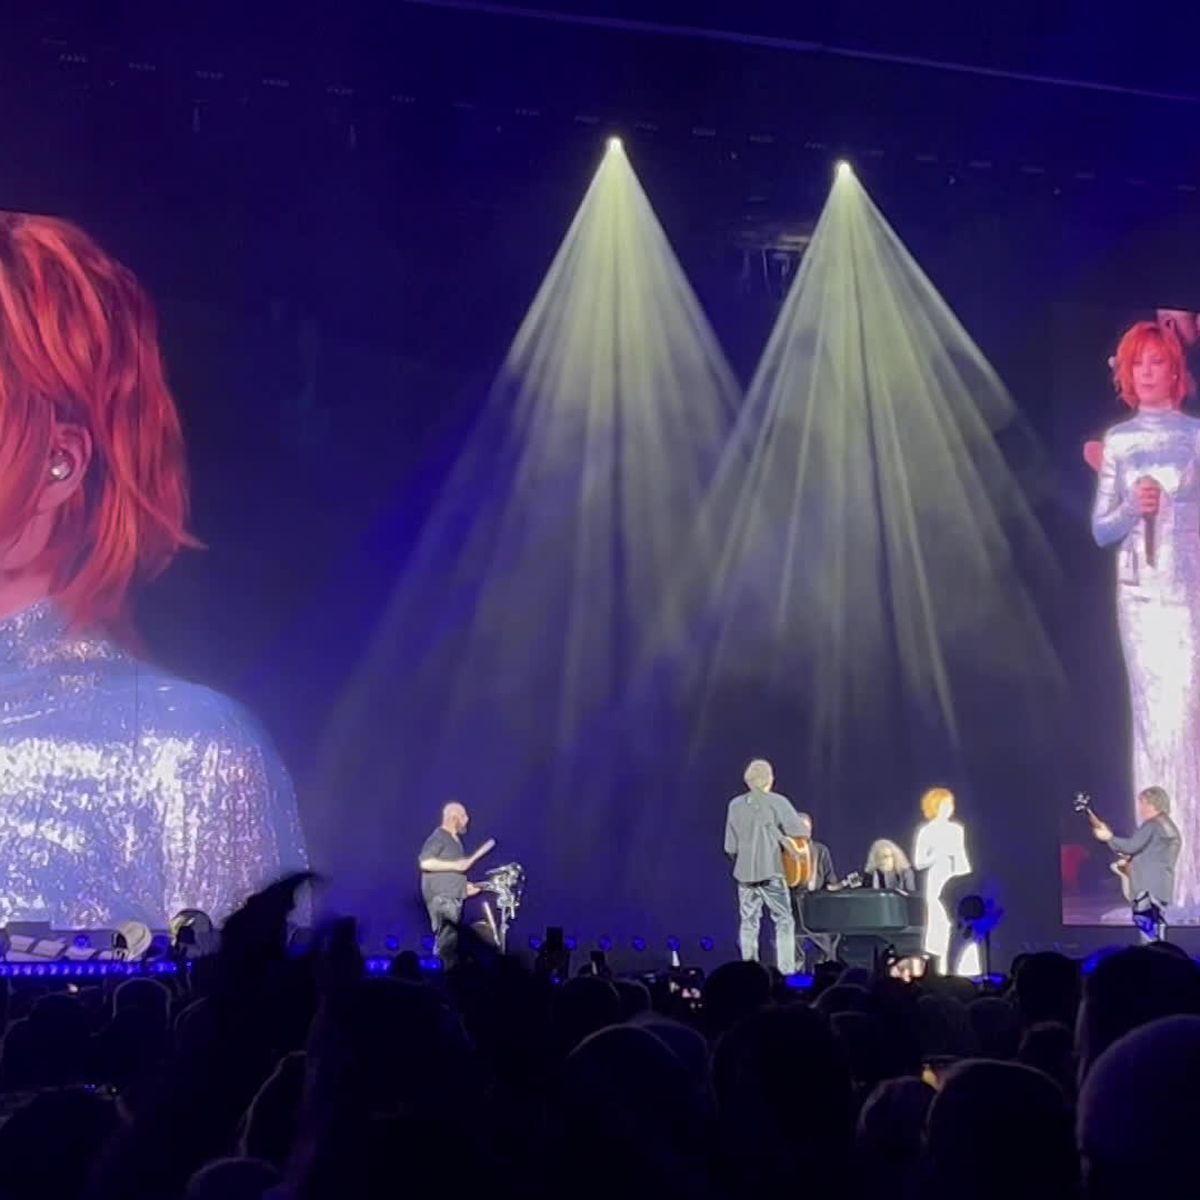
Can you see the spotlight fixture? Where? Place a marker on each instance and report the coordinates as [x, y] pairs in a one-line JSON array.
[[192, 934], [615, 145], [132, 941], [844, 169], [977, 917]]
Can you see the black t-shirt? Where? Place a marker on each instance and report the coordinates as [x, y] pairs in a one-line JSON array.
[[444, 845]]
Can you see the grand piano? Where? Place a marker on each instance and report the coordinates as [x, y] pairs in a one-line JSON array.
[[866, 922]]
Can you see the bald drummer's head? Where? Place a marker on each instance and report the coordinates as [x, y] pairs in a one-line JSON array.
[[455, 818]]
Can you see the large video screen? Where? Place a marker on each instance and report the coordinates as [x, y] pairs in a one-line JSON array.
[[1127, 394], [130, 793]]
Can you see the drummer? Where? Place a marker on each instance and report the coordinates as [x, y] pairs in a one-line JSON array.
[[444, 864]]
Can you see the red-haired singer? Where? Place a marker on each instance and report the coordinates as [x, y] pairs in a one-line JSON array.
[[124, 793], [1148, 506]]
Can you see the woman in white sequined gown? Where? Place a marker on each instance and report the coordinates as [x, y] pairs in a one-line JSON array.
[[1148, 506]]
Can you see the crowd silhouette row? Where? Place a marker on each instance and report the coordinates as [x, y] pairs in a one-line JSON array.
[[269, 1075]]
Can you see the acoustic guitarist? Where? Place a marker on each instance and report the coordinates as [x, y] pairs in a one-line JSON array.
[[810, 870], [1152, 852]]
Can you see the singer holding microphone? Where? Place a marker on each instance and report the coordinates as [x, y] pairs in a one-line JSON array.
[[1148, 506]]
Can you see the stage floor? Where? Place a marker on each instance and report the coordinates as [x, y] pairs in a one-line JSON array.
[[1105, 911]]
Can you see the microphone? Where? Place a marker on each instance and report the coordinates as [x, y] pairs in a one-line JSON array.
[[1149, 521]]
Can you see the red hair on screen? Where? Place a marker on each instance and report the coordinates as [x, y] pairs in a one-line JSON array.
[[79, 346], [1133, 342]]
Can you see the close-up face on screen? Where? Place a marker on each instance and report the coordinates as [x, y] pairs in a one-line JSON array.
[[129, 794]]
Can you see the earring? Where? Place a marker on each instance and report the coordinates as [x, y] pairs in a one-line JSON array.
[[60, 467]]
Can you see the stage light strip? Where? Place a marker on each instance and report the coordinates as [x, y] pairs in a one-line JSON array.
[[86, 970], [103, 970]]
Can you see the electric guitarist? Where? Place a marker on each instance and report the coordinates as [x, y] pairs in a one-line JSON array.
[[1152, 850]]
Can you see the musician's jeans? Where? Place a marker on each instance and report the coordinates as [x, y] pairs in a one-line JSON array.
[[445, 913], [1150, 919], [774, 894]]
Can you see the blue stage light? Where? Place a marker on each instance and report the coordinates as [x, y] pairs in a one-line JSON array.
[[673, 944], [571, 943], [639, 944], [428, 942], [392, 943], [82, 942], [535, 942], [799, 982], [72, 970], [706, 943], [431, 964], [605, 944], [1093, 960]]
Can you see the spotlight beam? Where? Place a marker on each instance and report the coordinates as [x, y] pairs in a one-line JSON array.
[[517, 623], [865, 515]]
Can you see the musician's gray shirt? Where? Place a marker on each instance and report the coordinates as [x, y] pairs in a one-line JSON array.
[[1152, 851], [755, 827]]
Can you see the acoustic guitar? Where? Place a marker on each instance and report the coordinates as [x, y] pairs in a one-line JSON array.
[[798, 867], [1120, 868], [797, 862]]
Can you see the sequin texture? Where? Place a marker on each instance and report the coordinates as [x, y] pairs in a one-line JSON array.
[[1158, 614], [125, 793]]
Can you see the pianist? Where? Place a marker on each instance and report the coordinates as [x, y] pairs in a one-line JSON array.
[[887, 866]]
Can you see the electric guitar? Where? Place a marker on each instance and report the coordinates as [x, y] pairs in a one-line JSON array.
[[1120, 868]]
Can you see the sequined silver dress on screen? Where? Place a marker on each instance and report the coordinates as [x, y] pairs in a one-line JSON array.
[[1158, 614], [125, 793]]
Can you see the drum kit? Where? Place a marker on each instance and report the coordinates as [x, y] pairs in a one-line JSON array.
[[507, 884]]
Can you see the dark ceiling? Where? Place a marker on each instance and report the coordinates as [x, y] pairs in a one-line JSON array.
[[1022, 84]]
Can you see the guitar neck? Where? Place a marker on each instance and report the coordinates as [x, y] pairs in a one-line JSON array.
[[1083, 804]]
